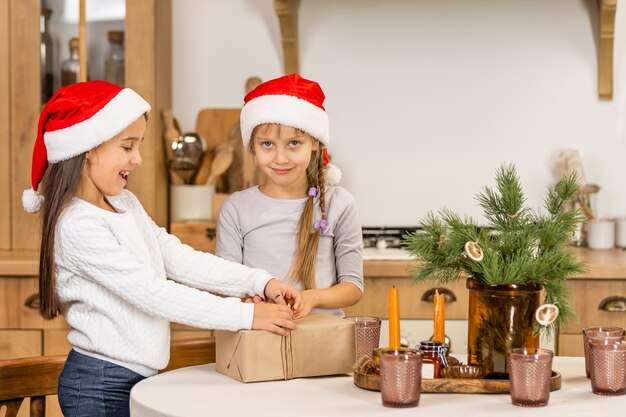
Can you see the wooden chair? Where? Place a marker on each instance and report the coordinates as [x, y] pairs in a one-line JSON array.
[[189, 352], [32, 378]]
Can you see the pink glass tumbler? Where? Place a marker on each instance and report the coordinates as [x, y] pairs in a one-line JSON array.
[[612, 333], [530, 372], [608, 367], [367, 335], [400, 377]]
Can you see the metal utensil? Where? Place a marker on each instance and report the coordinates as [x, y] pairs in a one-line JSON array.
[[183, 167], [190, 145], [188, 151]]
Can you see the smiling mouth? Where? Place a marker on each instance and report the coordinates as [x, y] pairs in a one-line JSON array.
[[282, 171], [124, 175]]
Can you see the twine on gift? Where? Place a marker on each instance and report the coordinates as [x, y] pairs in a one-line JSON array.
[[286, 356], [233, 357]]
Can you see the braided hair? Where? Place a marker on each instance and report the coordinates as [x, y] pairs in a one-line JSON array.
[[303, 268]]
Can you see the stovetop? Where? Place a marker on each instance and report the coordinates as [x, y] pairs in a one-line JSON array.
[[386, 237], [385, 243]]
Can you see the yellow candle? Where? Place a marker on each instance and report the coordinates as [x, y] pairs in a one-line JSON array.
[[439, 321], [394, 318]]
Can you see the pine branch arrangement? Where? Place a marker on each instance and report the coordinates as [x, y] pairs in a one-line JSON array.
[[519, 246]]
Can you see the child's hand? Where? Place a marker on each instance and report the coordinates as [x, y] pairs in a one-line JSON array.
[[255, 299], [309, 300], [281, 293], [273, 317]]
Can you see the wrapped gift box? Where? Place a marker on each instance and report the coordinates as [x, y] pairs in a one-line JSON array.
[[321, 345]]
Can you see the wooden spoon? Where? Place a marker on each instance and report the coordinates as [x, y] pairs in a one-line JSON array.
[[204, 169], [170, 134], [221, 161]]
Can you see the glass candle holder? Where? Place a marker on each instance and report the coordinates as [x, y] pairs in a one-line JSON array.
[[400, 377], [608, 367], [529, 373], [367, 335], [598, 332]]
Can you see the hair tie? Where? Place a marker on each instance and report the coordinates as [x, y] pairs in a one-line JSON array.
[[313, 192], [321, 224]]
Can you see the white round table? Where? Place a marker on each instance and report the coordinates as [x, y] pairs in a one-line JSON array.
[[202, 391]]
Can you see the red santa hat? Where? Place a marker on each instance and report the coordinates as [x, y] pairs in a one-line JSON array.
[[78, 118], [293, 101]]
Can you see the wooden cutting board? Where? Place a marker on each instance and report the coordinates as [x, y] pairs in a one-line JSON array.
[[214, 124]]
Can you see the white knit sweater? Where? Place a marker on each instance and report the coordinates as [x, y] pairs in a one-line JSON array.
[[121, 279]]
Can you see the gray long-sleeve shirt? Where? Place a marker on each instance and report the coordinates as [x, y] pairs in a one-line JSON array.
[[260, 232]]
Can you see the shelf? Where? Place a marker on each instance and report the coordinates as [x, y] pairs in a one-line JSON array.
[[606, 28], [287, 14]]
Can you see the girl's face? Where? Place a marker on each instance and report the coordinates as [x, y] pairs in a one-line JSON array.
[[108, 166], [283, 155]]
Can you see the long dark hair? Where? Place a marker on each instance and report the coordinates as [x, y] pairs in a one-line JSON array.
[[58, 187]]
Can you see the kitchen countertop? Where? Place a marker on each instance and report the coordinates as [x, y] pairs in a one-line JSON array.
[[601, 264]]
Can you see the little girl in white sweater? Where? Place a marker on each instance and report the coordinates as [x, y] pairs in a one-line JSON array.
[[118, 278]]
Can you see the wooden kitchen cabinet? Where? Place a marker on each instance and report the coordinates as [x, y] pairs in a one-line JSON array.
[[147, 70], [23, 332], [416, 300], [200, 235], [20, 343], [598, 302]]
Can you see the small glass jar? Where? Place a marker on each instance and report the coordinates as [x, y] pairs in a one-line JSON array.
[[114, 64], [70, 68], [434, 358]]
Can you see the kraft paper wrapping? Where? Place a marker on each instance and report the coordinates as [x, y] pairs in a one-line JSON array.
[[322, 345]]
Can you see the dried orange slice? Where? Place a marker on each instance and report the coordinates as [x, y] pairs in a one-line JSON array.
[[546, 314], [474, 251]]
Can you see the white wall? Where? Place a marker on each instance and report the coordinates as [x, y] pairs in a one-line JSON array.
[[426, 97]]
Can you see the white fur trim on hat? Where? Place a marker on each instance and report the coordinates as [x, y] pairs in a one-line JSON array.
[[285, 110], [119, 113], [32, 200]]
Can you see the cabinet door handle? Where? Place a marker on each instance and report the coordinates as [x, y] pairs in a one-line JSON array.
[[448, 296], [32, 301], [210, 233], [613, 304]]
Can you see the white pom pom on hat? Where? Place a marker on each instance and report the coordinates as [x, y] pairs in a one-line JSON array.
[[78, 118], [333, 175], [32, 200]]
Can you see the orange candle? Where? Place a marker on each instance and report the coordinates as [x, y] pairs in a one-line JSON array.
[[394, 318], [439, 321]]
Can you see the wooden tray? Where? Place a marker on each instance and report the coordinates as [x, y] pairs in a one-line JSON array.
[[450, 385]]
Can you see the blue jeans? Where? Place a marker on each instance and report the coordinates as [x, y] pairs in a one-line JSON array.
[[90, 387]]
